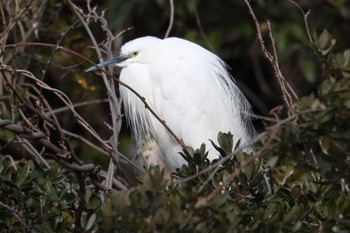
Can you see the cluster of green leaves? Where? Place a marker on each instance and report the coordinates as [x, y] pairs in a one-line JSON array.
[[156, 206], [37, 200], [305, 197]]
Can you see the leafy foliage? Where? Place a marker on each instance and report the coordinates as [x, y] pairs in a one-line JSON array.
[[308, 195], [43, 200]]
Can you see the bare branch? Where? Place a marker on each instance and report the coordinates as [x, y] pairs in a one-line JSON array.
[[31, 150], [14, 214], [171, 21], [109, 75], [287, 91], [81, 138], [76, 105], [305, 15], [58, 155], [114, 103], [200, 27]]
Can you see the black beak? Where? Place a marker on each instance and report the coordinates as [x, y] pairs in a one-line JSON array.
[[114, 60]]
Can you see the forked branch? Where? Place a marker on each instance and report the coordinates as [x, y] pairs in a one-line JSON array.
[[288, 93]]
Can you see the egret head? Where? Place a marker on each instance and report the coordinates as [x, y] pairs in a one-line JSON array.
[[141, 50]]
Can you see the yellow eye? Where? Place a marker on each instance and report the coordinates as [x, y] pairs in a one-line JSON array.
[[134, 54]]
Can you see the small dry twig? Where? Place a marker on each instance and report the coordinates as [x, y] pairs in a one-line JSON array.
[[288, 93], [171, 21], [14, 213]]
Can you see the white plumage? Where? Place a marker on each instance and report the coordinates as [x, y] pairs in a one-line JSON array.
[[188, 87]]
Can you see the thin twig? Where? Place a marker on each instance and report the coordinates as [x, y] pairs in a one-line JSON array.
[[56, 49], [200, 27], [305, 15], [12, 162], [86, 141], [114, 104], [76, 105], [13, 212], [287, 93], [30, 149], [171, 21]]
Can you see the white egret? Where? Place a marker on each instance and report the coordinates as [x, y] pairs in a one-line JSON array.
[[189, 87]]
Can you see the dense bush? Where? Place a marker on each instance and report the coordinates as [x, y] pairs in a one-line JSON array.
[[308, 158]]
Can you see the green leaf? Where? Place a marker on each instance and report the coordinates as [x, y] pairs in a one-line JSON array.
[[295, 192], [323, 39], [325, 144], [309, 69], [243, 179], [90, 223], [23, 173], [325, 42], [226, 142], [218, 148], [272, 162], [83, 220], [44, 227]]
